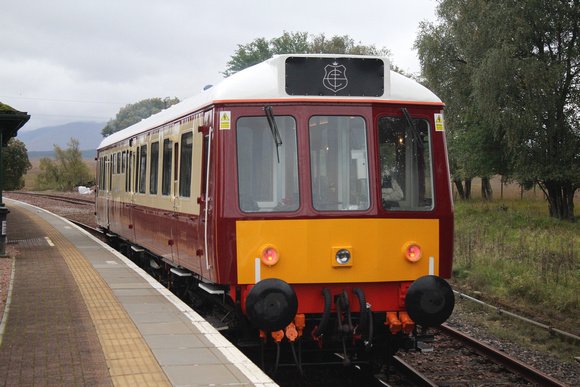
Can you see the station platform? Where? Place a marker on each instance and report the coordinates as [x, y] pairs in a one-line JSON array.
[[80, 313]]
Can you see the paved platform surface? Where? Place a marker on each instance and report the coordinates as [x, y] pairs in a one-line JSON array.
[[82, 314]]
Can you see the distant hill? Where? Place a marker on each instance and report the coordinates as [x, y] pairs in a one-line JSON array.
[[43, 139]]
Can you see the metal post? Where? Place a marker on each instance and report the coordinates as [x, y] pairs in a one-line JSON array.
[[1, 167], [3, 210]]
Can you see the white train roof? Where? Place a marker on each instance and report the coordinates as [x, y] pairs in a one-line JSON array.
[[267, 81]]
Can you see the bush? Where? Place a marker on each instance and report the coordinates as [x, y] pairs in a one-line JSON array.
[[66, 172]]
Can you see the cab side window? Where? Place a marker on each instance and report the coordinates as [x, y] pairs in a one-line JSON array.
[[405, 164]]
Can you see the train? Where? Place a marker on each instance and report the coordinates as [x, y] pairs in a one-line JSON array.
[[308, 195]]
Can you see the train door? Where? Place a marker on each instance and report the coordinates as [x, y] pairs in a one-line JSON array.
[[102, 195], [207, 205], [174, 197], [186, 222], [108, 189], [131, 192]]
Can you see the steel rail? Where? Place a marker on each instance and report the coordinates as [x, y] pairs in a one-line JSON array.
[[59, 198], [414, 376], [527, 320], [521, 369]]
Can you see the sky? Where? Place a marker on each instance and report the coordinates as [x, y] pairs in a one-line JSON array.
[[82, 60]]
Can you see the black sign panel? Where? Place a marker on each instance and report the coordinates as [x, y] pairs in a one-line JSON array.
[[359, 77]]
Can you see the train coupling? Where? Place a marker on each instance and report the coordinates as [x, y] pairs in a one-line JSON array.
[[393, 322], [342, 303], [399, 322]]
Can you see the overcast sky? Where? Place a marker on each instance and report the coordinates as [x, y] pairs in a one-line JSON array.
[[82, 60]]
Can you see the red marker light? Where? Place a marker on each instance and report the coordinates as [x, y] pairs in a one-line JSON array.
[[270, 256], [413, 252]]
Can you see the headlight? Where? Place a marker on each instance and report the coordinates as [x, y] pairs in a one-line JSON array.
[[342, 257]]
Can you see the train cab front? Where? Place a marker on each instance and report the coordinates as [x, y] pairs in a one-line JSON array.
[[343, 219], [342, 282]]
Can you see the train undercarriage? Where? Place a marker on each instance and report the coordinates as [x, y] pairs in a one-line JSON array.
[[367, 339]]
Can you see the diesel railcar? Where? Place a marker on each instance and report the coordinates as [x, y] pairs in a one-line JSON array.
[[310, 193]]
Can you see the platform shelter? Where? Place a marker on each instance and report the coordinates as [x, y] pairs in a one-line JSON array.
[[10, 121]]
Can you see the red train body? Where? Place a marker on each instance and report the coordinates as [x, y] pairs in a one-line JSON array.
[[291, 188]]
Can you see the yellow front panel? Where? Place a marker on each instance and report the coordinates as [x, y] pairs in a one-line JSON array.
[[306, 249]]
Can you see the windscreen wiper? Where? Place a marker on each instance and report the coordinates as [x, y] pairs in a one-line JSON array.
[[273, 129], [415, 132]]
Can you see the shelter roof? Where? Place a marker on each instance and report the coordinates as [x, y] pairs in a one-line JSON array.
[[10, 121]]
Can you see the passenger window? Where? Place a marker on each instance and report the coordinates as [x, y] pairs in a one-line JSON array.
[[118, 162], [185, 165], [137, 156], [128, 187], [143, 169], [405, 161], [154, 168], [102, 174], [109, 183], [267, 173], [166, 173], [339, 163]]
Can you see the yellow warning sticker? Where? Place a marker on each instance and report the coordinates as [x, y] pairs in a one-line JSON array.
[[225, 120], [439, 125]]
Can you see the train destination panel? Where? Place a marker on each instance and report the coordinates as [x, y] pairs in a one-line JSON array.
[[335, 76]]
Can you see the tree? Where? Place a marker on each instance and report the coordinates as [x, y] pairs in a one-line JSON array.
[[296, 43], [342, 45], [15, 165], [133, 113], [290, 42], [447, 65], [515, 69], [532, 76], [66, 171]]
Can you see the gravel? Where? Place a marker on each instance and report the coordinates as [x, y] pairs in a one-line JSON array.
[[84, 213], [564, 372]]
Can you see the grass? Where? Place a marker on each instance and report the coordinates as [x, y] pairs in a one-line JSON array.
[[513, 255], [512, 250]]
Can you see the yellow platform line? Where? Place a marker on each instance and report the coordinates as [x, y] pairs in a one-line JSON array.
[[129, 358]]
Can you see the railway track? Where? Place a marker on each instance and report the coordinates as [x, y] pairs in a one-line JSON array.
[[91, 230], [57, 197], [458, 359]]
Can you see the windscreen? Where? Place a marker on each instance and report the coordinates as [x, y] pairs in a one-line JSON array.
[[339, 163], [267, 170]]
